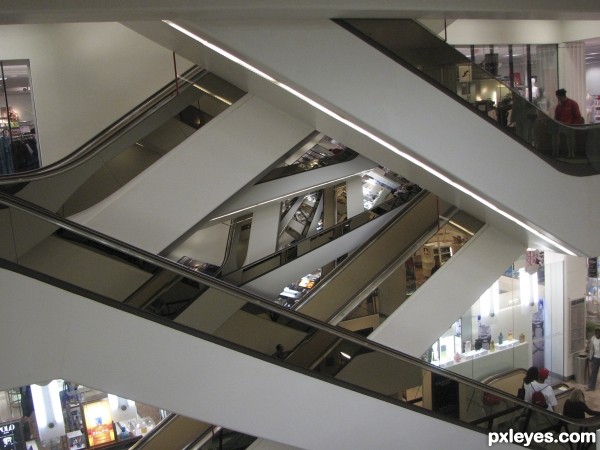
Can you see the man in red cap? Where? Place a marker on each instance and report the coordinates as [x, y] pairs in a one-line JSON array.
[[541, 386]]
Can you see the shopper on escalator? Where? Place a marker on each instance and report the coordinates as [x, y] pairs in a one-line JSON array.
[[575, 406], [540, 385], [567, 110]]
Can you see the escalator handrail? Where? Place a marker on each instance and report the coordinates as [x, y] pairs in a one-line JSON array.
[[249, 297], [110, 133]]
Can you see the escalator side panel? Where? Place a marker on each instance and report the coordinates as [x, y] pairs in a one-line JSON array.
[[68, 337], [179, 432]]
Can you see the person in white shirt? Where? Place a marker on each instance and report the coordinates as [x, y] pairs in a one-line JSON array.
[[594, 357], [540, 386]]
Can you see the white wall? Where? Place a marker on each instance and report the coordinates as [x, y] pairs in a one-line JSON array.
[[468, 32], [84, 77]]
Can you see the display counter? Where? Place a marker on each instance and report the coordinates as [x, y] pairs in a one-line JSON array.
[[479, 364]]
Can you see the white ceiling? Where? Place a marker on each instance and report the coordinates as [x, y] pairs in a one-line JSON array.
[[38, 11]]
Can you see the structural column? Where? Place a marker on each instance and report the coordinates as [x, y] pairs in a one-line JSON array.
[[571, 71], [354, 196], [264, 231]]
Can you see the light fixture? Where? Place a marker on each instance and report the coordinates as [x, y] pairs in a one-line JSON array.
[[524, 287], [48, 410], [495, 294], [366, 133], [346, 355], [485, 303]]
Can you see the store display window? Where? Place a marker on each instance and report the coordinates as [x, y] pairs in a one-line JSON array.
[[529, 70], [18, 143], [71, 416], [504, 329], [592, 303]]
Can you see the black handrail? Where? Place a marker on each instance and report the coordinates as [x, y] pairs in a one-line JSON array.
[[254, 299], [110, 133]]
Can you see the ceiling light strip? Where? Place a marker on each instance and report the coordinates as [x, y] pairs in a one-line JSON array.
[[367, 133]]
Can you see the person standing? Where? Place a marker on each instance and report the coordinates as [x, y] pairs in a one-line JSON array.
[[594, 357], [531, 375], [567, 110], [540, 385]]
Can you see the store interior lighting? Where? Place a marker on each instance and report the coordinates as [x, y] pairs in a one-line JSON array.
[[48, 410], [528, 287]]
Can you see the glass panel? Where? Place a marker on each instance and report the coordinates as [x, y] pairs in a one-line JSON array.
[[544, 66], [17, 119], [410, 44], [521, 84], [403, 380]]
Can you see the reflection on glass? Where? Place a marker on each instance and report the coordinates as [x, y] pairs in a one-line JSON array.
[[18, 145]]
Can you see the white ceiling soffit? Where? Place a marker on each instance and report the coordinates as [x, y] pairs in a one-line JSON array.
[[37, 11]]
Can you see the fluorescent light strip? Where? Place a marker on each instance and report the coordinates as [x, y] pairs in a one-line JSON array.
[[212, 94], [460, 227], [206, 91], [367, 133]]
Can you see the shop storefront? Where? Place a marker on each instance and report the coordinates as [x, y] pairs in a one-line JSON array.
[[60, 415], [18, 143], [529, 70]]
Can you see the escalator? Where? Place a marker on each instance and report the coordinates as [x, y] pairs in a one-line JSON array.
[[80, 335], [391, 247], [412, 45], [453, 151]]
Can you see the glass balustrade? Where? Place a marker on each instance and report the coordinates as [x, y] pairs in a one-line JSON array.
[[571, 148]]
